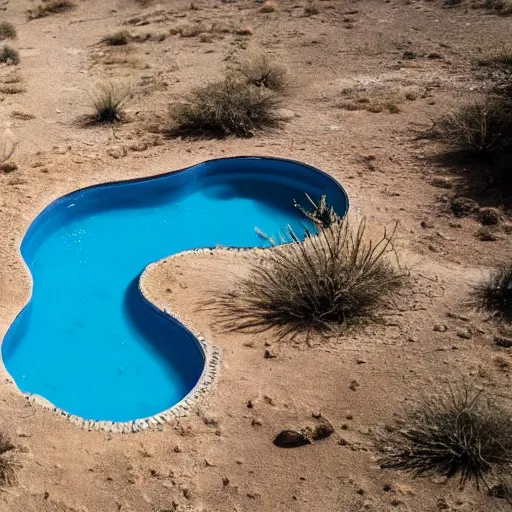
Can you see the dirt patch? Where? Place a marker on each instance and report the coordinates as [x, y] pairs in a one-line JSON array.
[[416, 55]]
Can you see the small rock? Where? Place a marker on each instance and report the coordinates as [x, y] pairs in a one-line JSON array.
[[270, 354], [245, 31], [316, 414], [117, 151], [360, 361], [139, 146], [322, 430], [354, 385], [409, 55], [256, 422], [464, 333], [440, 328], [434, 55], [426, 224], [187, 493], [206, 38], [342, 441], [291, 439], [410, 96]]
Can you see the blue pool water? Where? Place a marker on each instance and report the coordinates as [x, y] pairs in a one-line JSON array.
[[87, 341]]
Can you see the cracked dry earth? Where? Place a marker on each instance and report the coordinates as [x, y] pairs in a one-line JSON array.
[[357, 103]]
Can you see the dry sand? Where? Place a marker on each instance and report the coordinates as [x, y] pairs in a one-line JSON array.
[[221, 458]]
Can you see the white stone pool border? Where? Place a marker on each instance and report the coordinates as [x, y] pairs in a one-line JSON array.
[[205, 383]]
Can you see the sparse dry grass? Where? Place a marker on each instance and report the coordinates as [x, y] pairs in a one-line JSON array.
[[221, 109], [7, 30], [459, 432], [494, 294], [331, 280], [261, 71], [108, 100], [11, 89], [483, 127], [8, 464], [7, 148], [375, 101], [9, 55], [48, 7], [119, 38]]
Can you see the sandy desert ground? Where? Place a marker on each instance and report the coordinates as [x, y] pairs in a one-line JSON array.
[[221, 457]]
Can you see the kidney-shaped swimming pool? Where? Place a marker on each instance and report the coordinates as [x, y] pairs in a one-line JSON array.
[[87, 341]]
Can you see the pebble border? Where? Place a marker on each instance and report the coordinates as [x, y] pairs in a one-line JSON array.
[[205, 383]]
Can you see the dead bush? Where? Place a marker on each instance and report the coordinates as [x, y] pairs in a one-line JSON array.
[[7, 30], [221, 109], [108, 100], [261, 71], [494, 294], [330, 280], [322, 214], [483, 127], [120, 38], [9, 55], [461, 431], [8, 464]]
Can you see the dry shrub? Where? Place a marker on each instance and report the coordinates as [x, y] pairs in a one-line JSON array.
[[8, 465], [483, 127], [108, 100], [221, 109], [7, 30], [459, 432], [322, 214], [9, 55], [494, 294], [120, 38], [7, 147], [261, 71], [334, 279], [11, 89], [48, 7]]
